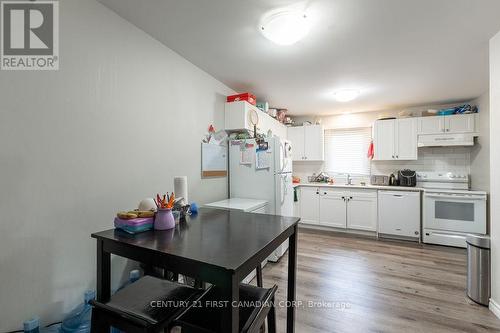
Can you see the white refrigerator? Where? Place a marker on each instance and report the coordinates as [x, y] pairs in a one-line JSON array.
[[263, 174]]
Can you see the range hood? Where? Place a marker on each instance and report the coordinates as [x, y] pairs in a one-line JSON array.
[[445, 140]]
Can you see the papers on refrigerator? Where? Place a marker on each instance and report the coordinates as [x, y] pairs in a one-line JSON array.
[[263, 159]]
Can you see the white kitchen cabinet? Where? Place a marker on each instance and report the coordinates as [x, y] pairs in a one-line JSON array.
[[238, 118], [296, 137], [463, 123], [332, 208], [339, 208], [309, 205], [399, 213], [314, 143], [362, 210], [308, 142], [431, 125], [406, 139], [395, 139], [384, 139]]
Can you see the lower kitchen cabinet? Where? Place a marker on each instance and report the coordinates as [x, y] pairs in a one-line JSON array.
[[309, 205], [362, 210], [332, 208], [399, 213], [339, 208]]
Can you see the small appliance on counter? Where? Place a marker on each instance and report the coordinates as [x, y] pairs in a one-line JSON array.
[[379, 180], [407, 178], [393, 180]]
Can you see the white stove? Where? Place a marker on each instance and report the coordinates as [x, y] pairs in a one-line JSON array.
[[450, 210]]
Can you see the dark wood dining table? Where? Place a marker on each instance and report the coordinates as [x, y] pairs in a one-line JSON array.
[[217, 246]]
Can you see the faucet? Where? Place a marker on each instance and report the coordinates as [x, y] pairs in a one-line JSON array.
[[348, 179]]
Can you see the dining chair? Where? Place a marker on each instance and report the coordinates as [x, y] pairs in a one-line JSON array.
[[257, 304], [148, 305]]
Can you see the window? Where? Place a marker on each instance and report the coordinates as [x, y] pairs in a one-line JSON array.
[[346, 150]]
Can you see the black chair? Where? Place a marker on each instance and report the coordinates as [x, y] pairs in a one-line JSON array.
[[205, 318], [148, 305]]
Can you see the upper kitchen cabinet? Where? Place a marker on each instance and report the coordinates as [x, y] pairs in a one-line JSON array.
[[395, 139], [464, 123], [241, 115], [308, 142]]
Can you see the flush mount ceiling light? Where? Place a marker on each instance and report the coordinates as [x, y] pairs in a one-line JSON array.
[[346, 95], [285, 27]]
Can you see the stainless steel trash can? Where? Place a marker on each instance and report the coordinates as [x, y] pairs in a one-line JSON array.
[[478, 268]]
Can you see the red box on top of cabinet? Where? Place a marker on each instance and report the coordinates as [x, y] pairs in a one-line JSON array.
[[243, 97]]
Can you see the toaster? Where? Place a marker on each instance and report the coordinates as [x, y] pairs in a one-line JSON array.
[[379, 180], [407, 178]]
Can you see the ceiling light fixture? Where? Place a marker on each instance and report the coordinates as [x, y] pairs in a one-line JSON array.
[[285, 27], [346, 95]]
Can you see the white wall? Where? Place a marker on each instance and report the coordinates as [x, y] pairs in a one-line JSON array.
[[122, 117], [480, 153], [495, 166]]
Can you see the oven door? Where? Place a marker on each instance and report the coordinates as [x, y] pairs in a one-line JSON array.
[[455, 212]]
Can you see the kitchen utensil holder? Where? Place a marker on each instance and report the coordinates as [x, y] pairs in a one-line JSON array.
[[164, 219]]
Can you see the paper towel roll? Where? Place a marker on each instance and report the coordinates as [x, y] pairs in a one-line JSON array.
[[181, 188]]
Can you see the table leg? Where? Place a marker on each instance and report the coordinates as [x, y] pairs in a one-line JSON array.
[[292, 280], [230, 315], [258, 271], [103, 273]]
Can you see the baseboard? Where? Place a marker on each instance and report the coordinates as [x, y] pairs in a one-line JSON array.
[[494, 307]]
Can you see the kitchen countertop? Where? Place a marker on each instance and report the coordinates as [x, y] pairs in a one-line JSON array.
[[366, 187]]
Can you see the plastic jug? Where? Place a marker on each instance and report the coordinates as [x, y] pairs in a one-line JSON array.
[[78, 321], [133, 276], [33, 326]]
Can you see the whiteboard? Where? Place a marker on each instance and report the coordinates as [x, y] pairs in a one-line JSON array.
[[213, 160]]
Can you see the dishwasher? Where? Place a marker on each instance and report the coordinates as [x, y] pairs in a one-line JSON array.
[[399, 215]]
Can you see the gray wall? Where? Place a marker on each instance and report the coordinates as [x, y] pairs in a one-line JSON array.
[[121, 118], [494, 167], [480, 153]]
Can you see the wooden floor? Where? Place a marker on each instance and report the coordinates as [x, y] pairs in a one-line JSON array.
[[379, 286]]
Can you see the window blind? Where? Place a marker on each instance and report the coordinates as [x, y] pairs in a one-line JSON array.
[[346, 150]]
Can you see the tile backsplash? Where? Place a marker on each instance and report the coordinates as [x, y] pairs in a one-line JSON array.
[[457, 159]]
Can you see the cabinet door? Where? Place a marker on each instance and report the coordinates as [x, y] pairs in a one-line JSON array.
[[431, 125], [296, 137], [309, 205], [332, 208], [362, 210], [313, 143], [383, 139], [460, 123], [406, 139]]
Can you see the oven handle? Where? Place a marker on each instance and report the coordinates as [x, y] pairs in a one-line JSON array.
[[457, 196]]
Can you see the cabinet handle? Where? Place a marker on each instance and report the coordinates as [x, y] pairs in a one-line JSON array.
[[392, 156], [317, 192], [397, 156], [325, 193], [447, 130]]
